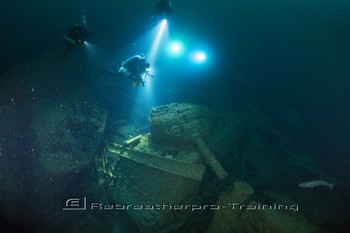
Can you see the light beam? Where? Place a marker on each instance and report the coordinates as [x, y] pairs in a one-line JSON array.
[[161, 29], [144, 100]]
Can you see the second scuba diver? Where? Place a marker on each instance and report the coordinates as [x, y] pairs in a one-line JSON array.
[[77, 37]]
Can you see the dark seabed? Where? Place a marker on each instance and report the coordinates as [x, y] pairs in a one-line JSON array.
[[253, 135]]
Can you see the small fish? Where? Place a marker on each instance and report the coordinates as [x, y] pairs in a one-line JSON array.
[[316, 183]]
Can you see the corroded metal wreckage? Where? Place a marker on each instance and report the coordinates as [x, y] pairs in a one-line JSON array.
[[157, 174]]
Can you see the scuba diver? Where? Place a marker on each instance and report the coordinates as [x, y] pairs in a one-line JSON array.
[[77, 37], [135, 68], [163, 10]]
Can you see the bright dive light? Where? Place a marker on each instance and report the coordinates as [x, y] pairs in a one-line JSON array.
[[198, 57], [176, 48]]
